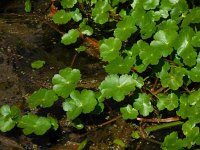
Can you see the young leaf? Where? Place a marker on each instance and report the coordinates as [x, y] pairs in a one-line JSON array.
[[125, 28], [84, 102], [43, 98], [128, 112], [61, 17], [8, 117], [150, 4], [100, 11], [172, 142], [76, 15], [109, 49], [85, 29], [65, 82], [184, 107], [34, 124], [70, 37], [37, 64], [28, 6], [117, 87], [194, 74], [53, 122], [143, 104], [169, 101], [68, 3]]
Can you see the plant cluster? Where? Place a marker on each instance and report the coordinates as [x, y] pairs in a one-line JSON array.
[[151, 57]]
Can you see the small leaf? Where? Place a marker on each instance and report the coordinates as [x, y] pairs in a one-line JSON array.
[[117, 87], [65, 82], [172, 142], [109, 48], [34, 124], [192, 17], [43, 98], [150, 4], [80, 49], [85, 29], [128, 112], [68, 3], [119, 142], [37, 64], [184, 107], [169, 101], [61, 17], [76, 15], [70, 37], [196, 39], [54, 122], [143, 104], [28, 6]]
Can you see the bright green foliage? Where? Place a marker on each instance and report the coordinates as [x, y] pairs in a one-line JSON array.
[[125, 28], [43, 98], [8, 117], [76, 15], [196, 39], [172, 79], [194, 98], [70, 37], [85, 29], [148, 54], [117, 87], [65, 82], [194, 74], [61, 17], [80, 49], [184, 47], [120, 65], [100, 11], [78, 103], [37, 64], [178, 10], [172, 142], [143, 104], [169, 25], [164, 40], [28, 6], [119, 142], [192, 17], [53, 122], [33, 124], [169, 101], [68, 3], [150, 4], [109, 48], [184, 107], [128, 112]]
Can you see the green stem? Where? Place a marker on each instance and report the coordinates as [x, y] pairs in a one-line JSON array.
[[162, 126]]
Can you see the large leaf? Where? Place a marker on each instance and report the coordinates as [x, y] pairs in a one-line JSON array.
[[117, 87], [192, 17], [143, 104], [43, 98], [65, 82], [109, 48]]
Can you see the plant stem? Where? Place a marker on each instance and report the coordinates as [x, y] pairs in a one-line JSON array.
[[162, 126]]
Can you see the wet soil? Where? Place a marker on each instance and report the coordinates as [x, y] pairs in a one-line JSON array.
[[25, 37]]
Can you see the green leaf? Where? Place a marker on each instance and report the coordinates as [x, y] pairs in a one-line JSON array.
[[184, 47], [100, 11], [65, 82], [8, 117], [169, 101], [194, 98], [43, 98], [80, 49], [85, 29], [27, 6], [196, 39], [167, 25], [117, 87], [109, 48], [54, 122], [83, 144], [34, 124], [120, 65], [172, 142], [143, 104], [78, 103], [184, 107], [37, 64], [150, 4], [125, 28], [76, 15], [68, 3], [119, 142], [164, 40], [128, 112], [194, 74], [192, 17], [70, 37], [61, 17], [173, 79], [148, 54], [179, 9]]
